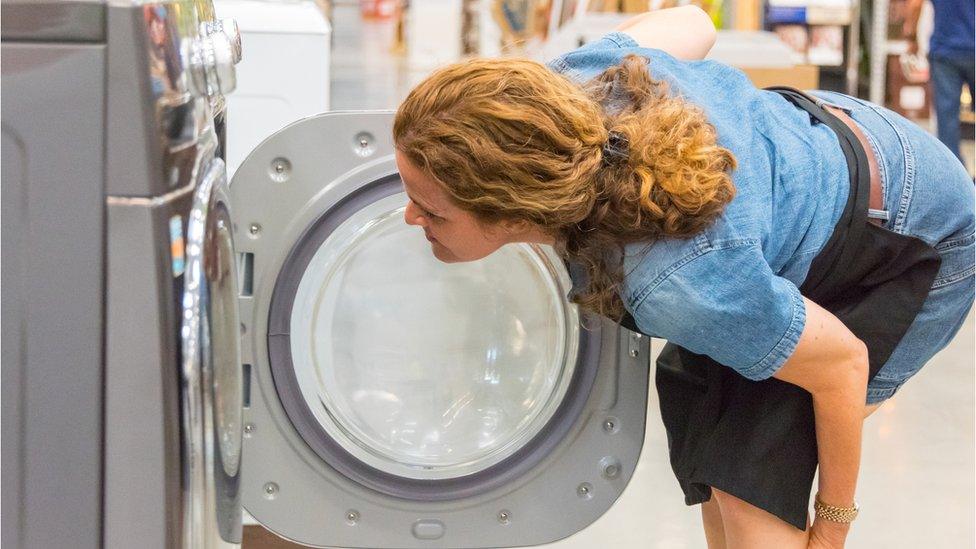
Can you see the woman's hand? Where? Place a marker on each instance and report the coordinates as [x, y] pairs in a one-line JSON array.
[[825, 534]]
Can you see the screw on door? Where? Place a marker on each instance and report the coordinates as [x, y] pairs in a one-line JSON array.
[[364, 144], [280, 170]]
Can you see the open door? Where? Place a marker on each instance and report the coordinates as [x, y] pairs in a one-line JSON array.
[[394, 401]]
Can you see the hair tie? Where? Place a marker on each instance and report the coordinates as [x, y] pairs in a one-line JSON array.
[[616, 149]]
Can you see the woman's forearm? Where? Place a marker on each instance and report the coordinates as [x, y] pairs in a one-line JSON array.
[[839, 416], [831, 363]]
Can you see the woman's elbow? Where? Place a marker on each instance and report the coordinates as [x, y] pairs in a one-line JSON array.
[[851, 375], [704, 27]]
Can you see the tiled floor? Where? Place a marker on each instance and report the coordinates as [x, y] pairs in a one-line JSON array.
[[918, 471]]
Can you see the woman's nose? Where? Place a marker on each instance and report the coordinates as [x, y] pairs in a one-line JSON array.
[[412, 217]]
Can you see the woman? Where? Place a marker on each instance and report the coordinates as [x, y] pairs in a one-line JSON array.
[[802, 259]]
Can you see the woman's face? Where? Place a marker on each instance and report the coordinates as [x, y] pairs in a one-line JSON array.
[[455, 234]]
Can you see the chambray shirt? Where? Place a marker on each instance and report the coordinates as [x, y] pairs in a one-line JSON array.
[[730, 292]]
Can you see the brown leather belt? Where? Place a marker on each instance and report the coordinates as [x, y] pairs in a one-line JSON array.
[[875, 200]]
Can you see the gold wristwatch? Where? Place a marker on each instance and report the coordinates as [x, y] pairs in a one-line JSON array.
[[844, 515]]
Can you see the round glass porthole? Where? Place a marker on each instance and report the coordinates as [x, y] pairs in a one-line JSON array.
[[422, 369]]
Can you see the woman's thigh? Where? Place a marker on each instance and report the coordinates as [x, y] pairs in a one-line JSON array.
[[747, 526]]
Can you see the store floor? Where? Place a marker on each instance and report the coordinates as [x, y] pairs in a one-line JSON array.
[[918, 469]]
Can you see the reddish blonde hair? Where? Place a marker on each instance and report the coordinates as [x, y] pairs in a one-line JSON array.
[[510, 139]]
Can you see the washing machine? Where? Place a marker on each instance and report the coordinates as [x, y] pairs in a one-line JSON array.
[[121, 340], [175, 347]]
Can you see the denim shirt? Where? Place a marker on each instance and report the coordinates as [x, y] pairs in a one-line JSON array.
[[731, 291]]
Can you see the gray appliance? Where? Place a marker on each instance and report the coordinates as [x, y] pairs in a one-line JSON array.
[[121, 339], [173, 347]]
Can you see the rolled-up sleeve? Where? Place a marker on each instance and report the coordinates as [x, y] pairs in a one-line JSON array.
[[587, 59], [725, 303]]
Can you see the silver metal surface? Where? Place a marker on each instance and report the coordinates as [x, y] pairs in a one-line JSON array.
[[210, 59], [211, 375], [229, 28], [154, 121]]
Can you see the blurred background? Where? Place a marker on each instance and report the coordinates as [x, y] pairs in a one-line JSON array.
[[371, 52]]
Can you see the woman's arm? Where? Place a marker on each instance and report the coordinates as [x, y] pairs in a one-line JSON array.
[[685, 32], [832, 364], [913, 9]]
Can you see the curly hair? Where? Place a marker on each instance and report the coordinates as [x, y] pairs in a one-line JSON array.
[[511, 139]]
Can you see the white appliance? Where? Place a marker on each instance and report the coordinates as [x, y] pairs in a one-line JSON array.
[[284, 73]]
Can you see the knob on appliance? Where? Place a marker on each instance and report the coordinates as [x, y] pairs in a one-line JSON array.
[[210, 59], [228, 27]]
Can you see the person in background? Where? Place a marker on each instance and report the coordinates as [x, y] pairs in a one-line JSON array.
[[951, 51]]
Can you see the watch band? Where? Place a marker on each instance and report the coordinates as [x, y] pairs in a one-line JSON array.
[[832, 513]]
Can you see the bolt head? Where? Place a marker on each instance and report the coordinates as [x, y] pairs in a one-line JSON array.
[[280, 169]]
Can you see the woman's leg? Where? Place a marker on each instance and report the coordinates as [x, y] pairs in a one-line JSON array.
[[749, 527], [712, 520], [870, 408], [947, 81]]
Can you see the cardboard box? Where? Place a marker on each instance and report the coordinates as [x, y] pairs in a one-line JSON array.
[[802, 77], [256, 537], [908, 97], [634, 6]]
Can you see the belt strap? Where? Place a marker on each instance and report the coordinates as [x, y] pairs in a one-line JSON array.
[[853, 221], [876, 211]]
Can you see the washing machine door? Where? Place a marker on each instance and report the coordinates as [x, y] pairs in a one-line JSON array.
[[394, 401], [211, 389]]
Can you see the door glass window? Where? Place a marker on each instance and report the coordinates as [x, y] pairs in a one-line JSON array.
[[423, 369]]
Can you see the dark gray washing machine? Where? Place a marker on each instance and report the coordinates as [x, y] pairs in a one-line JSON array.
[[121, 339], [394, 401]]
